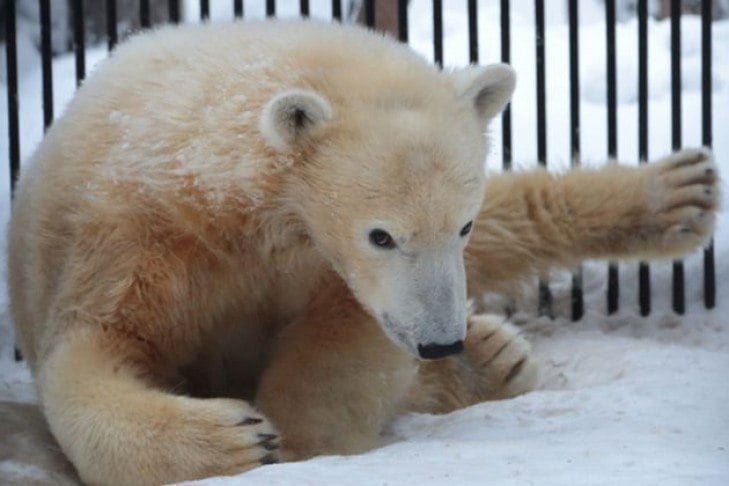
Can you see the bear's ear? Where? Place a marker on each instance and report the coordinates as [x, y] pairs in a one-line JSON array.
[[488, 88], [290, 116]]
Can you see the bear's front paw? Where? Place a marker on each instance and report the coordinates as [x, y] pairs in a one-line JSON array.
[[684, 197], [500, 357], [223, 437]]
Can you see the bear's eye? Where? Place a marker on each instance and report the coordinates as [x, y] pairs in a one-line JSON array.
[[467, 229], [382, 239]]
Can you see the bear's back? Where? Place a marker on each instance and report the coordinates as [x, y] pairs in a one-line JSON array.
[[183, 100]]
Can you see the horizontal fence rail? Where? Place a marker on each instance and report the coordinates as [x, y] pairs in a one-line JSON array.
[[375, 15]]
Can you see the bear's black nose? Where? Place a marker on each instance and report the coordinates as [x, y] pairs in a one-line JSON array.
[[436, 351]]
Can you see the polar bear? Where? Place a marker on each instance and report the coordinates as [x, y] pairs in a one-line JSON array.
[[250, 242]]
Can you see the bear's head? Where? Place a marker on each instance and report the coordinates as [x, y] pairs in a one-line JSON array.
[[388, 185]]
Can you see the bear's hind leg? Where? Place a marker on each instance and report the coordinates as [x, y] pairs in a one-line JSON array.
[[495, 364], [117, 428], [334, 379]]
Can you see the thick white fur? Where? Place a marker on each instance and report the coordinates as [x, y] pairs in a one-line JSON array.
[[190, 268]]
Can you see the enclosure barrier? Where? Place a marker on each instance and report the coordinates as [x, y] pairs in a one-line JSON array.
[[369, 18]]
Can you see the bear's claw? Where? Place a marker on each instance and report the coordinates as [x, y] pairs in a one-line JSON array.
[[269, 459], [500, 356], [250, 421], [684, 196]]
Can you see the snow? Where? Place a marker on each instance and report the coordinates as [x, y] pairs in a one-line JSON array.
[[622, 399]]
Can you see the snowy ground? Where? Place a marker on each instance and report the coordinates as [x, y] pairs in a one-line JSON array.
[[623, 400]]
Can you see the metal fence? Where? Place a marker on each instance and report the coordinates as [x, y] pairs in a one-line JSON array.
[[401, 8]]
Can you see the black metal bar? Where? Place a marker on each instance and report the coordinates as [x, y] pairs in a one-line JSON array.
[[11, 70], [205, 9], [506, 57], [111, 32], [679, 291], [174, 9], [438, 32], [369, 7], [644, 276], [144, 17], [79, 44], [473, 31], [402, 20], [237, 8], [578, 304], [304, 8], [541, 85], [46, 62], [337, 9], [11, 67], [545, 295], [613, 285], [270, 8], [706, 139]]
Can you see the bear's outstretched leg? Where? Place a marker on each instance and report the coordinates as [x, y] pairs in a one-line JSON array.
[[495, 364], [334, 379], [117, 428], [533, 221]]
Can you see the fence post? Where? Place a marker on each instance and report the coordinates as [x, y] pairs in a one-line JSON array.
[[613, 290], [644, 282]]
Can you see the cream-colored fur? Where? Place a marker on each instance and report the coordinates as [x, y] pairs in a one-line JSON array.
[[192, 266]]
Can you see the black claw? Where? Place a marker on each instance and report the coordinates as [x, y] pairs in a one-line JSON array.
[[685, 229], [250, 421], [709, 171], [269, 446], [707, 191], [266, 437], [269, 459]]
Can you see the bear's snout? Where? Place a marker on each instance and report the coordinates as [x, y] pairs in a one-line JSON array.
[[437, 351]]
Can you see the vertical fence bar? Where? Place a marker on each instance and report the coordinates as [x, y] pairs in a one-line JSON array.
[[79, 43], [270, 8], [304, 8], [541, 84], [205, 9], [47, 65], [174, 10], [11, 71], [472, 31], [111, 23], [402, 20], [369, 6], [144, 17], [545, 295], [613, 289], [438, 32], [337, 10], [506, 57], [578, 304], [644, 277], [706, 139], [237, 8], [679, 291]]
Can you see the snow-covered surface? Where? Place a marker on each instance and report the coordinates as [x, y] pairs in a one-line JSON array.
[[623, 399]]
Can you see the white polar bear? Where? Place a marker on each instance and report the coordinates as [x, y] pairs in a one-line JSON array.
[[240, 231]]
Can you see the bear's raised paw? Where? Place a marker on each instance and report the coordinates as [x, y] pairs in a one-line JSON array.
[[683, 198]]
